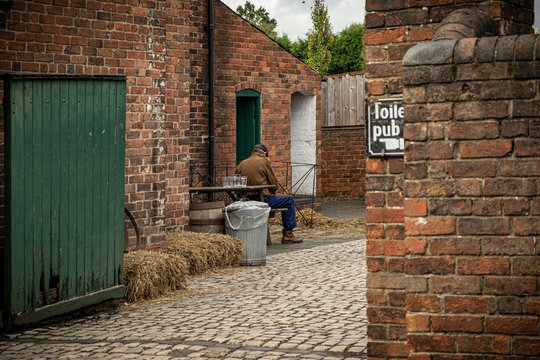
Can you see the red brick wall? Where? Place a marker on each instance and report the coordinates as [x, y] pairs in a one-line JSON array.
[[245, 58], [198, 59], [393, 27], [161, 47], [148, 43], [342, 163], [385, 253], [472, 206]]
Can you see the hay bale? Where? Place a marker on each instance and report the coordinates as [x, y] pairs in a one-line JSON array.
[[149, 274], [321, 222], [205, 251]]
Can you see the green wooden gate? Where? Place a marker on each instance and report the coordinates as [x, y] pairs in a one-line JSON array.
[[248, 122], [65, 151]]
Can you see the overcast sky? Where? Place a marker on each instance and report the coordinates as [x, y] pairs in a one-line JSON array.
[[294, 17]]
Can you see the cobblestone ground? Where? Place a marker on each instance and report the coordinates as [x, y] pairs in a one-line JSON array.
[[304, 304]]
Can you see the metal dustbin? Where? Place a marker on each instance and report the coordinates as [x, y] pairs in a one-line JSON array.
[[248, 221]]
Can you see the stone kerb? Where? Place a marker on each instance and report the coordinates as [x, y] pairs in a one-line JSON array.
[[469, 50]]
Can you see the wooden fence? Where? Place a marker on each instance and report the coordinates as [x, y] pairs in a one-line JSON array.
[[343, 100]]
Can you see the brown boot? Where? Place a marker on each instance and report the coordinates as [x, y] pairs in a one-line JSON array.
[[289, 238]]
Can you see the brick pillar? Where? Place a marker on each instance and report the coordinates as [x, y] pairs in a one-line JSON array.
[[385, 254], [386, 42], [472, 210], [393, 27]]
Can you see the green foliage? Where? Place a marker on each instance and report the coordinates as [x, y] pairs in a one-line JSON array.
[[261, 19], [283, 40], [319, 49], [320, 39], [348, 50], [258, 17], [299, 48]]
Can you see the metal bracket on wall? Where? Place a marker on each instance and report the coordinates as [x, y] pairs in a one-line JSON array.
[[137, 232]]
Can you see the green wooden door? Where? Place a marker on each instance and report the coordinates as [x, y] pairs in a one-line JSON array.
[[248, 123], [65, 150]]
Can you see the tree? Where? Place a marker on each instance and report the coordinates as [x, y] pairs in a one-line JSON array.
[[299, 48], [262, 20], [319, 39], [348, 50], [259, 17], [284, 41]]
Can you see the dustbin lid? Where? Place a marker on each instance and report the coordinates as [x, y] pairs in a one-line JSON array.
[[245, 205], [246, 214]]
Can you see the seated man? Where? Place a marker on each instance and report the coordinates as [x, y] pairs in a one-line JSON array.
[[258, 171]]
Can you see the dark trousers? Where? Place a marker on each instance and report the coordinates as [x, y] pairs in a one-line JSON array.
[[282, 201]]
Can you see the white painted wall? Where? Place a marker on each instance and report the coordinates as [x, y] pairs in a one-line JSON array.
[[303, 142]]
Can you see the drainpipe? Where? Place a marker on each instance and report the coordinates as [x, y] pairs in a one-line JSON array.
[[210, 92]]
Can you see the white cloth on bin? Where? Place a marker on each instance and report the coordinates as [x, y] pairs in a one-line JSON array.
[[245, 215]]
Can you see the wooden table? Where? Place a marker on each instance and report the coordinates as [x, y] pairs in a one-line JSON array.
[[240, 191], [233, 191]]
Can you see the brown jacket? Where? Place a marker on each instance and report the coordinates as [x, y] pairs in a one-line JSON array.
[[258, 171]]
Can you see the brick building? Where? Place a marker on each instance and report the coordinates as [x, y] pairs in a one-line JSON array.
[[452, 227], [253, 70], [343, 159], [162, 50]]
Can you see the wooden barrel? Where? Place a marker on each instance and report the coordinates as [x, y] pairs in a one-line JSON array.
[[207, 217]]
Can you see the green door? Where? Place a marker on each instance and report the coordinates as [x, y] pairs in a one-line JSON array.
[[248, 123], [65, 146]]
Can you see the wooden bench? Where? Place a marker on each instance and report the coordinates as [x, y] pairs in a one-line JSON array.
[[273, 213]]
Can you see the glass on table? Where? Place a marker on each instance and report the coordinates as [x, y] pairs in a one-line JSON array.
[[234, 181]]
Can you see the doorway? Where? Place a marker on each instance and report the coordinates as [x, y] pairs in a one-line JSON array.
[[248, 122], [303, 143], [65, 176]]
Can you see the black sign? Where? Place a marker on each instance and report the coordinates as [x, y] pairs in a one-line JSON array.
[[385, 128]]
